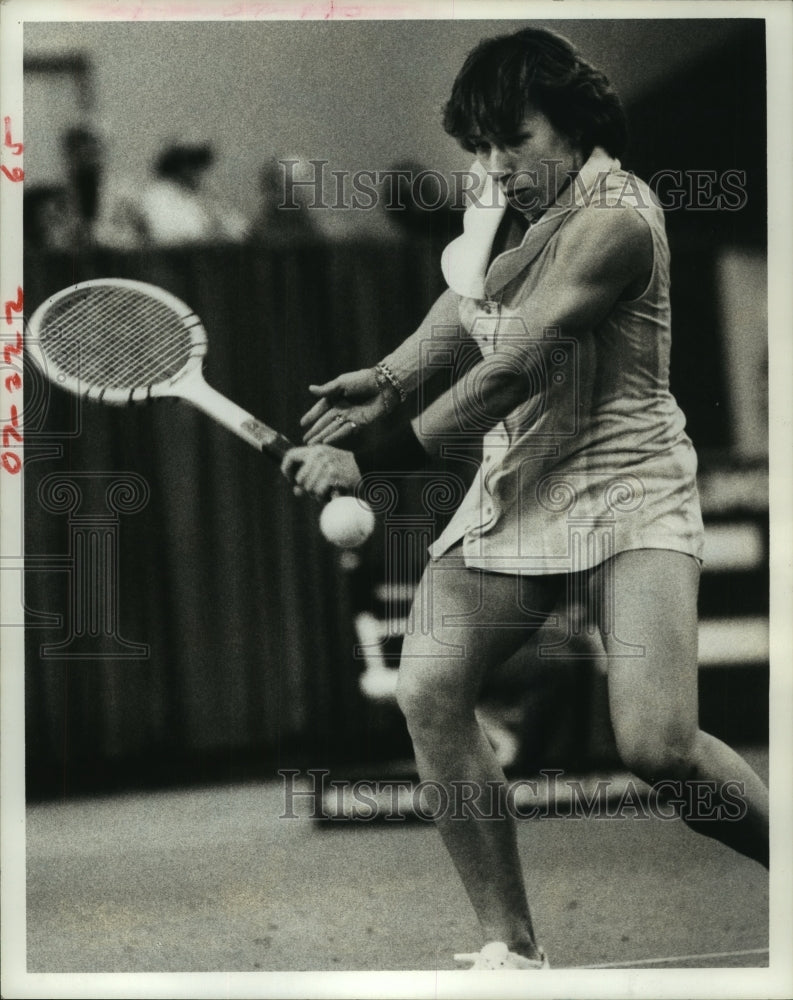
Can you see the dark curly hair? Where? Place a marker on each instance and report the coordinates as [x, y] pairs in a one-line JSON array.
[[504, 76]]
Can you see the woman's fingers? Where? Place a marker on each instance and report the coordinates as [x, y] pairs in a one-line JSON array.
[[291, 466], [330, 434], [323, 424], [318, 410], [333, 426], [312, 470], [328, 391], [292, 461], [336, 385], [358, 387], [339, 432]]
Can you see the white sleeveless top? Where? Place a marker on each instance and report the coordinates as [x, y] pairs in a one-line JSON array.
[[596, 461]]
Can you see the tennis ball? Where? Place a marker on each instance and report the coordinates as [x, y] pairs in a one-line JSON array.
[[347, 522]]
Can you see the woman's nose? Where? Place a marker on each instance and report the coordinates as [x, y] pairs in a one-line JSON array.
[[499, 162]]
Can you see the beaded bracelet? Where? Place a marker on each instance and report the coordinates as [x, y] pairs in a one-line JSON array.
[[383, 374], [383, 385]]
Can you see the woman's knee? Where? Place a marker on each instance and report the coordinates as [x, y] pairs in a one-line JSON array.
[[652, 756], [432, 697]]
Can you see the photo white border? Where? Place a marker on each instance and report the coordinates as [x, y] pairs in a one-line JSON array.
[[777, 980]]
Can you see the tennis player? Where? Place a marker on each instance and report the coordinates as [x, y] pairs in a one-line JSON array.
[[587, 482]]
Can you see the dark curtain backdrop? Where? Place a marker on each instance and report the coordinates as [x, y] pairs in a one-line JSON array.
[[222, 573], [710, 117]]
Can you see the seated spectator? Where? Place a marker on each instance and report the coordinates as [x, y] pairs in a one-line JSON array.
[[178, 209], [47, 221], [100, 209], [284, 215]]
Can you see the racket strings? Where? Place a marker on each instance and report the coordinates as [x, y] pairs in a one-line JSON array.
[[172, 354], [112, 370], [109, 341], [117, 338]]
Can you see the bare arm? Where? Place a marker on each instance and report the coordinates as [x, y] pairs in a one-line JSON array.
[[604, 255], [405, 361], [356, 399]]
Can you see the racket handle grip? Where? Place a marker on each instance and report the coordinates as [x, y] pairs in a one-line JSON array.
[[271, 442], [277, 448]]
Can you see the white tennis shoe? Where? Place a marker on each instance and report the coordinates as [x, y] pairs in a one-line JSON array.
[[496, 955]]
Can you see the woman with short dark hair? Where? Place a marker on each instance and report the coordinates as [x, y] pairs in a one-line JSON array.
[[587, 484], [533, 66]]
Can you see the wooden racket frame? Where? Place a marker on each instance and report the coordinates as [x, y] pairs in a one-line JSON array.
[[188, 383]]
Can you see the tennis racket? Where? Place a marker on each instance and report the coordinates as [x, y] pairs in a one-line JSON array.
[[118, 341]]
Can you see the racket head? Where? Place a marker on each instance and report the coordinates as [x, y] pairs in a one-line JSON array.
[[116, 341]]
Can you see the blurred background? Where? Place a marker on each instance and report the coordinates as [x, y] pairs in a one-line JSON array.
[[200, 629]]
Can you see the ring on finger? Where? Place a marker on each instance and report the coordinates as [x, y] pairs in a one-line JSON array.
[[339, 419]]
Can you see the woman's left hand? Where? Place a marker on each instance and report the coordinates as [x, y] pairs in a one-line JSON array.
[[345, 404], [320, 470]]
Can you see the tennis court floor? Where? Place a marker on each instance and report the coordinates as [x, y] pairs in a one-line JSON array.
[[211, 879]]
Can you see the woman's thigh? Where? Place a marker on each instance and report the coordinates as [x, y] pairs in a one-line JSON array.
[[465, 621], [646, 602]]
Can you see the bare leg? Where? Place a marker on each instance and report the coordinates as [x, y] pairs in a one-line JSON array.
[[648, 597], [477, 622]]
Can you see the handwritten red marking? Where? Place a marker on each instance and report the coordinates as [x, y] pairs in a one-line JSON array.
[[14, 174], [11, 306], [10, 461], [9, 431], [15, 147], [15, 348]]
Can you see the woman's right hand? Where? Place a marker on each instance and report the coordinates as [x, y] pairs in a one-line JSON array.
[[346, 403], [321, 470]]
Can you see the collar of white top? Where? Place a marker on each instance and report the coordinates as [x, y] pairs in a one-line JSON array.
[[465, 260]]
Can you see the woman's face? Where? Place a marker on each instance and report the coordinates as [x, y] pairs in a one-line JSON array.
[[532, 166]]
